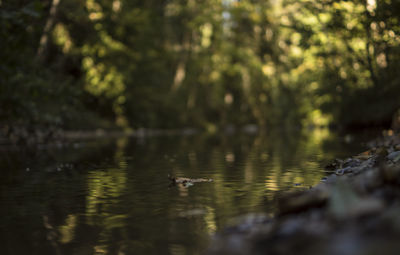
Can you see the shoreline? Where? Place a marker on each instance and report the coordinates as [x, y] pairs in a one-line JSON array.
[[23, 137], [354, 210]]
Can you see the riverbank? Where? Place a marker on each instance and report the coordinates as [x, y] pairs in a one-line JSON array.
[[25, 136], [354, 210]]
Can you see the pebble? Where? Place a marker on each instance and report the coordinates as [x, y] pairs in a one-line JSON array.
[[394, 156]]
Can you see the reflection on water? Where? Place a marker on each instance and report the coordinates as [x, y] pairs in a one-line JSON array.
[[114, 197]]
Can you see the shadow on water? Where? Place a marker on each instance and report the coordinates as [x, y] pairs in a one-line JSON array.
[[113, 196]]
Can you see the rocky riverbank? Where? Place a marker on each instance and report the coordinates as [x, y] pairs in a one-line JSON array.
[[354, 210]]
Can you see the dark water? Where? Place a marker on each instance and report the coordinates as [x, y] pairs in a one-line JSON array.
[[113, 196]]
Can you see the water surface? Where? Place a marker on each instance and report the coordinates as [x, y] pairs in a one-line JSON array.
[[112, 196]]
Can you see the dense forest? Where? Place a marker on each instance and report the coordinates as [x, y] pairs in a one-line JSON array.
[[128, 64]]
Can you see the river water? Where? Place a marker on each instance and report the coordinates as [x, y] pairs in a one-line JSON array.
[[112, 196]]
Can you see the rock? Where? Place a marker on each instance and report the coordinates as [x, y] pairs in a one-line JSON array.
[[355, 210], [394, 156], [390, 174], [337, 163], [343, 171], [329, 179], [364, 155], [302, 200], [351, 162]]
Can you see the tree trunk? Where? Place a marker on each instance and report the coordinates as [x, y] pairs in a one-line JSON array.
[[181, 68], [44, 39]]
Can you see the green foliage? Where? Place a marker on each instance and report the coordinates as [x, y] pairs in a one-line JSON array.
[[169, 64]]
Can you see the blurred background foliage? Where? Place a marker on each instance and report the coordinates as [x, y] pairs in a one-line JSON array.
[[81, 64]]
